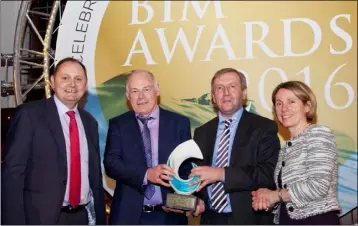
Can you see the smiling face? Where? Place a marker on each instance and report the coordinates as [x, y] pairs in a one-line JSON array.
[[290, 110], [69, 83], [142, 92], [228, 94]]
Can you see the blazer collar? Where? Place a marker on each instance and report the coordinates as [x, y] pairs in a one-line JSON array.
[[53, 119], [211, 138], [241, 134], [165, 125]]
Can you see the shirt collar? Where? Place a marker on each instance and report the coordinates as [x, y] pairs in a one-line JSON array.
[[154, 114], [62, 108], [236, 116]]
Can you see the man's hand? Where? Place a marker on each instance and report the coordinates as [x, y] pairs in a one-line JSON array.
[[264, 199], [207, 174], [159, 173], [200, 208]]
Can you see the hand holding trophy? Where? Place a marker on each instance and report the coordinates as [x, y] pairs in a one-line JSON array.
[[182, 198]]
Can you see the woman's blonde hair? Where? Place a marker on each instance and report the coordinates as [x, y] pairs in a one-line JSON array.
[[302, 92]]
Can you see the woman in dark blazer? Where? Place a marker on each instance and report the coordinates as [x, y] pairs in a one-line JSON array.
[[307, 170]]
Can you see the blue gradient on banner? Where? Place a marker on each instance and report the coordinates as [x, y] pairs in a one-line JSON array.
[[347, 184], [92, 107]]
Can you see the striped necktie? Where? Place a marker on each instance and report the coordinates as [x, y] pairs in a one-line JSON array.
[[219, 198], [150, 189]]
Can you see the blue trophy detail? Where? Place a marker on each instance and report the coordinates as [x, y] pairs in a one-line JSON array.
[[183, 198]]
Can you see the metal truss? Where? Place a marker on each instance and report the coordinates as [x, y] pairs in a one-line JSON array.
[[31, 63]]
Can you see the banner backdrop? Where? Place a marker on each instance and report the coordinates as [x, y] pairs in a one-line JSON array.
[[185, 43]]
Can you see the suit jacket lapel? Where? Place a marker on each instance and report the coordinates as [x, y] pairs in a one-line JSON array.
[[241, 132], [53, 120], [211, 138], [164, 127], [134, 129]]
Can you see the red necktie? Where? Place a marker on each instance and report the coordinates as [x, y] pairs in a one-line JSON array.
[[75, 167]]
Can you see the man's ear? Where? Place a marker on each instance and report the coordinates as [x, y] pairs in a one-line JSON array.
[[157, 90], [52, 80], [213, 100], [244, 94]]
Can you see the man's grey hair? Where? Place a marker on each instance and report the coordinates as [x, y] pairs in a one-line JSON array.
[[130, 73]]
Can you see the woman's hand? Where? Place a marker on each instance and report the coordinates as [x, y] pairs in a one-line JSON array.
[[264, 199]]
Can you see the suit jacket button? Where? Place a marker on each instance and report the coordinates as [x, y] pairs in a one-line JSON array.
[[289, 143], [64, 182], [290, 209], [285, 186], [283, 163]]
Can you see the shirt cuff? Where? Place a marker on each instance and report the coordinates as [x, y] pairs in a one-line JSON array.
[[145, 180]]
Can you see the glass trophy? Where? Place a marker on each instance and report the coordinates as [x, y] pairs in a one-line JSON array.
[[182, 198]]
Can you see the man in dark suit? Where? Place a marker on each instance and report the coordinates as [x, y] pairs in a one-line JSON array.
[[240, 152], [51, 172], [139, 143]]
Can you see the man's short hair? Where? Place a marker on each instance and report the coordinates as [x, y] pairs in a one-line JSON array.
[[72, 60], [130, 73], [222, 71]]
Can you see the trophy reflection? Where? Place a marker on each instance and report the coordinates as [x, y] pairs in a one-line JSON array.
[[182, 198]]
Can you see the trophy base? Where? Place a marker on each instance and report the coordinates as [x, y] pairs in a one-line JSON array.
[[181, 202]]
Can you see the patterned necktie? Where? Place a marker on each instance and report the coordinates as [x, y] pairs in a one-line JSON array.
[[75, 162], [150, 189], [219, 198]]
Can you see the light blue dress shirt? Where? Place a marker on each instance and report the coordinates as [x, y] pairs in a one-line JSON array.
[[233, 126]]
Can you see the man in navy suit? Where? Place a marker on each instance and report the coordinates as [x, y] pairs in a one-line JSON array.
[[139, 143], [240, 152], [51, 172]]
